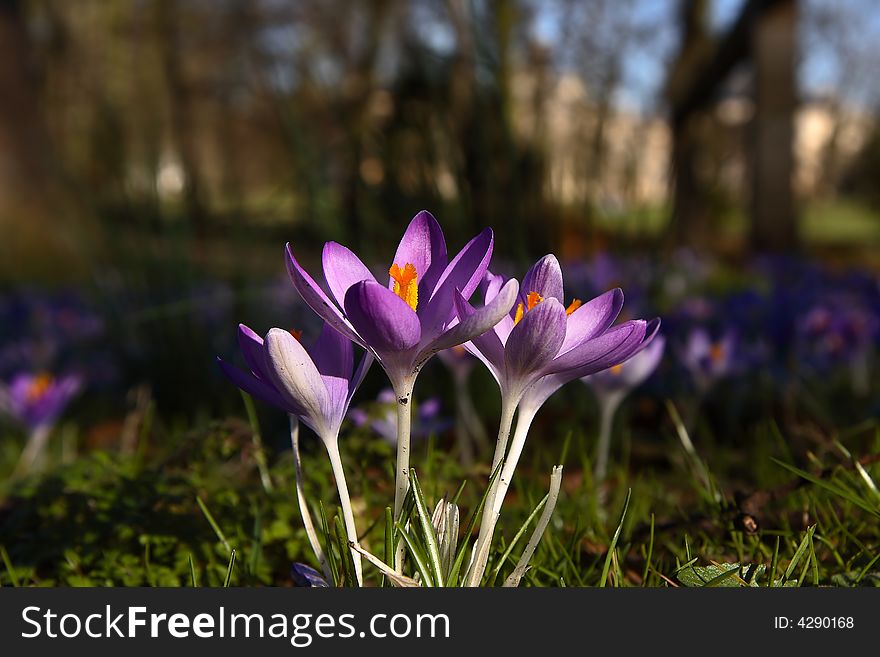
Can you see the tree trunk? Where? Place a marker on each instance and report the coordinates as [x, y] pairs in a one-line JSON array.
[[774, 220]]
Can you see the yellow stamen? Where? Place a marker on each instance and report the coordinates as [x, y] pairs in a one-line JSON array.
[[406, 283], [532, 300], [574, 305], [716, 352], [617, 369], [38, 387], [297, 334]]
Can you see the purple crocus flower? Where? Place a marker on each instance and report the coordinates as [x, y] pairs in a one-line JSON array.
[[37, 400], [411, 317], [541, 344], [315, 385], [536, 349], [406, 321], [706, 359], [611, 387]]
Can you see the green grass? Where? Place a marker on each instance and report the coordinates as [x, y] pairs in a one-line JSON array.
[[198, 511]]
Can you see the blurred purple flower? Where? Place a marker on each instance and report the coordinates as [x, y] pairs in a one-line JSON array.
[[709, 360], [621, 379], [611, 387], [381, 417], [38, 400]]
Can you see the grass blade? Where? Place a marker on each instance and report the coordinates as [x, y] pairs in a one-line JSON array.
[[8, 563], [192, 572], [213, 523], [614, 540], [831, 488], [799, 553], [229, 570]]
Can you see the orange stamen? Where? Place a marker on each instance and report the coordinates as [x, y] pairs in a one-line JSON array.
[[38, 387], [406, 283], [297, 334], [617, 369], [574, 305], [716, 352], [532, 300]]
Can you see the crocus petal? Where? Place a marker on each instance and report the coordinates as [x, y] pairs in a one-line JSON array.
[[332, 354], [342, 269], [295, 375], [486, 347], [545, 278], [256, 388], [424, 247], [536, 339], [475, 322], [612, 347], [592, 318], [464, 273], [251, 346], [358, 376], [314, 296], [492, 284], [385, 321]]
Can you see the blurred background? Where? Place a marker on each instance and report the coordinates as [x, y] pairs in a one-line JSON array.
[[716, 158]]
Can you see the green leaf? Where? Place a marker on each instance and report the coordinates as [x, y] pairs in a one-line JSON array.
[[465, 537], [389, 539], [722, 574], [517, 536], [418, 556], [328, 541], [428, 533], [342, 541]]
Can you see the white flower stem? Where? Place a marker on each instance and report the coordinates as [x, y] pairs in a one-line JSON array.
[[487, 522], [523, 563], [523, 424], [32, 455], [303, 503], [332, 446], [403, 392], [404, 422], [608, 406]]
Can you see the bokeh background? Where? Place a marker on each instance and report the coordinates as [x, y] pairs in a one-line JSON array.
[[718, 159]]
